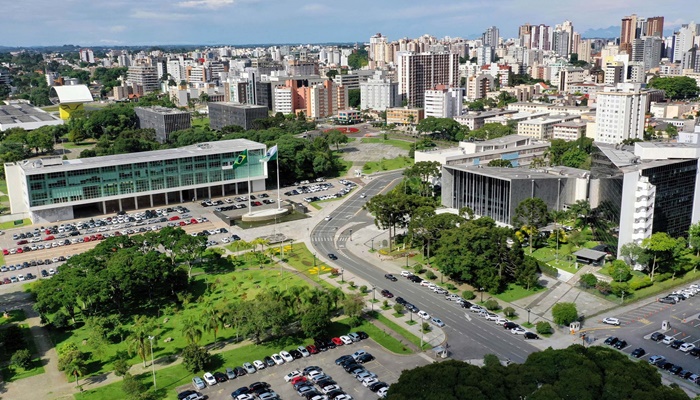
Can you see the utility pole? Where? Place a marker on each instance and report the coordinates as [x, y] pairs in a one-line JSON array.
[[153, 365]]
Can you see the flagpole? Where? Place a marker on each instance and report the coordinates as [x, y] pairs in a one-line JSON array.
[[250, 208], [277, 161]]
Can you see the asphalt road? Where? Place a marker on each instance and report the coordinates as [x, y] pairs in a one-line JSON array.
[[468, 336]]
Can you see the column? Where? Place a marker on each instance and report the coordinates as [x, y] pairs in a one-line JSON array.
[[209, 191], [120, 205], [166, 198], [136, 202], [104, 207], [151, 196]]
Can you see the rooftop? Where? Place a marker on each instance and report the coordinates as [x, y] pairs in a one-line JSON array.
[[25, 116], [162, 110], [73, 94], [236, 105], [56, 164], [518, 173]]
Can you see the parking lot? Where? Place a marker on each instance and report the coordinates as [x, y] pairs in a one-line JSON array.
[[638, 325], [386, 366]]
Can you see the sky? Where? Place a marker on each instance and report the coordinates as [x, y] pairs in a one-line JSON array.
[[161, 22]]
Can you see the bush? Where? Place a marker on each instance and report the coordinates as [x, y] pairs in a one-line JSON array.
[[417, 269], [12, 339], [620, 288], [637, 284], [543, 328], [132, 386], [195, 358], [547, 269], [451, 287], [22, 358], [352, 284], [363, 289], [588, 281], [662, 277], [509, 312], [603, 287], [492, 305], [468, 295], [425, 326], [386, 303], [398, 308], [61, 321], [564, 313], [620, 271], [430, 275]]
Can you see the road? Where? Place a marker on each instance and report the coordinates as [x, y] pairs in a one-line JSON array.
[[469, 336]]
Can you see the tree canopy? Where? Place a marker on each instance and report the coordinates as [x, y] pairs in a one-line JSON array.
[[575, 372], [676, 87]]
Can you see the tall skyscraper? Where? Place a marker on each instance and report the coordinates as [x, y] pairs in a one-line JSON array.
[[524, 34], [620, 115], [628, 32], [420, 72], [540, 37], [655, 26], [491, 36]]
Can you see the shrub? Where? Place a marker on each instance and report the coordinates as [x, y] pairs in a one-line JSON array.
[[132, 386], [22, 358], [547, 269], [13, 339], [492, 305], [417, 269], [543, 328], [425, 326], [468, 295], [352, 284], [509, 312], [398, 308], [363, 289], [662, 277], [430, 275], [620, 271], [564, 313], [603, 287], [195, 358], [620, 288], [588, 280], [386, 303], [451, 287], [637, 284]]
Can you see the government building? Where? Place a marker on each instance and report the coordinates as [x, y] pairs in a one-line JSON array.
[[50, 189]]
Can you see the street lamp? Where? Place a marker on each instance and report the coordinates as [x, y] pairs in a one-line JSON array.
[[153, 365], [528, 316], [372, 244], [482, 294], [411, 312], [374, 297], [342, 279]]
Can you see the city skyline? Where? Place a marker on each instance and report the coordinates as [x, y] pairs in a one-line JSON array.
[[237, 22]]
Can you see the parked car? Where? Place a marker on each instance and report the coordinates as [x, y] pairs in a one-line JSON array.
[[198, 383], [677, 343], [209, 379], [638, 352], [621, 344], [291, 375], [220, 377], [686, 347], [277, 359], [610, 341], [437, 322], [249, 368], [655, 360], [423, 315], [518, 331], [657, 336], [530, 335], [611, 321]]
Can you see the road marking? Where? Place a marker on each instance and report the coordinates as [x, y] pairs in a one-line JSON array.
[[467, 317]]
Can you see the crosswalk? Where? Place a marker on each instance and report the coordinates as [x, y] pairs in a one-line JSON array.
[[328, 239]]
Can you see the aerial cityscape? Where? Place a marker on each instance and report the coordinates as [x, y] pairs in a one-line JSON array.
[[260, 200]]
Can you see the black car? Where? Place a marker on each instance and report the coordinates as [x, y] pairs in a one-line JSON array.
[[320, 345], [638, 352], [657, 336], [410, 307], [342, 359], [377, 385], [365, 358], [667, 300], [531, 335], [44, 273], [330, 344], [348, 362], [311, 394], [621, 344], [349, 366], [676, 369], [220, 377], [258, 385], [362, 335], [332, 256], [695, 352], [685, 374], [182, 395], [334, 393], [415, 279], [666, 366], [387, 293], [676, 343], [325, 382], [465, 304], [240, 391], [400, 300], [610, 341], [240, 371], [296, 354], [269, 361], [510, 325], [310, 368], [390, 277]]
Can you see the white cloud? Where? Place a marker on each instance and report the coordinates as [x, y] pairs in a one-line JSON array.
[[316, 8], [117, 28], [212, 4], [163, 16]]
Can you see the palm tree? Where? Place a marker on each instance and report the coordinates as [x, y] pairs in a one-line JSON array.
[[191, 330], [233, 315], [76, 368], [213, 319], [336, 295], [138, 339]]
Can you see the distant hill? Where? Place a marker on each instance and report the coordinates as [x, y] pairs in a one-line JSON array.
[[602, 33]]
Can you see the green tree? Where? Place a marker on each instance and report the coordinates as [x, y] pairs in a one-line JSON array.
[[500, 163], [132, 386], [676, 87], [191, 330], [358, 59], [543, 328], [336, 138], [353, 305], [588, 280], [620, 271], [195, 358], [21, 358], [121, 364], [138, 339], [354, 98], [564, 313], [660, 246], [398, 308], [316, 320], [531, 214]]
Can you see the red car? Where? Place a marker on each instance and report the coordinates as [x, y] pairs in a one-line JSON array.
[[194, 221], [86, 239], [5, 252], [21, 242], [297, 379], [19, 250], [182, 223], [174, 218], [99, 236], [336, 341], [50, 237], [312, 349]]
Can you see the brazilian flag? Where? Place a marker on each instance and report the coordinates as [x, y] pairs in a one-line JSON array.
[[241, 160]]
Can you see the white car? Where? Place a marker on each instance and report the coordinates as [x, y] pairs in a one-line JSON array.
[[611, 321], [475, 308], [491, 316], [382, 392], [346, 339], [286, 356], [330, 388], [518, 331], [314, 373], [209, 379], [667, 340], [291, 375], [328, 218], [277, 359], [501, 321], [303, 351], [259, 365], [425, 283], [406, 274], [369, 381], [686, 347], [423, 314]]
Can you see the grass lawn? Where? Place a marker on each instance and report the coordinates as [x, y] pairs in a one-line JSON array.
[[71, 145], [3, 186], [11, 224], [402, 144], [203, 122], [11, 373], [516, 292], [304, 261], [387, 164], [171, 377], [402, 331], [15, 316], [216, 287], [318, 204]]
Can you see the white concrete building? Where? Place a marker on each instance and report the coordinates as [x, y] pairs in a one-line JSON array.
[[620, 114], [379, 93], [443, 102], [519, 150], [643, 215]]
